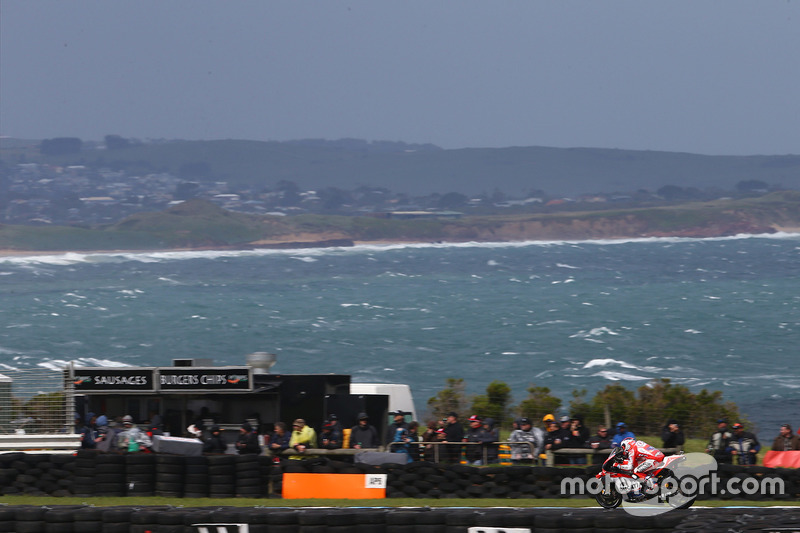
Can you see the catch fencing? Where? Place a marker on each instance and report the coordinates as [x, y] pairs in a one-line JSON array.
[[35, 401]]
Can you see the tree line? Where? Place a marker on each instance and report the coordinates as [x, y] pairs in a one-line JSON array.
[[645, 410]]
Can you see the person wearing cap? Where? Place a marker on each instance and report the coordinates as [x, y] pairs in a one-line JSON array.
[[303, 437], [476, 433], [247, 441], [331, 435], [743, 445], [132, 438], [492, 448], [454, 432], [672, 435], [564, 438], [398, 422], [214, 442], [364, 434], [718, 443], [622, 434], [550, 423], [531, 441], [785, 441]]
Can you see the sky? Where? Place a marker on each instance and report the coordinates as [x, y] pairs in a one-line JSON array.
[[711, 77]]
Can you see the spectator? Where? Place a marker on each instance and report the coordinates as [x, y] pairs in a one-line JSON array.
[[491, 448], [132, 439], [363, 434], [476, 433], [578, 430], [622, 434], [87, 432], [579, 434], [414, 449], [214, 442], [743, 445], [454, 432], [718, 443], [533, 438], [600, 441], [331, 434], [279, 440], [785, 441], [563, 438], [400, 443], [672, 435], [428, 450], [398, 422], [549, 423], [303, 437], [247, 442]]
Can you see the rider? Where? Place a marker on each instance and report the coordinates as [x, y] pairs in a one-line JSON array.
[[638, 459]]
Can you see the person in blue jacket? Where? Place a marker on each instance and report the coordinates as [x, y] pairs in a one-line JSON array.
[[622, 434]]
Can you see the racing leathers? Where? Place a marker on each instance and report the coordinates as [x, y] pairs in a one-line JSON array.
[[639, 458]]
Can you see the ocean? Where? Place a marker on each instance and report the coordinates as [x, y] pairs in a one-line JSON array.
[[721, 314]]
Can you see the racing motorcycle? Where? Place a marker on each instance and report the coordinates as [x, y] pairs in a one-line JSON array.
[[619, 485]]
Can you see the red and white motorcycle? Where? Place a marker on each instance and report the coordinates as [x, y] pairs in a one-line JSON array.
[[619, 485]]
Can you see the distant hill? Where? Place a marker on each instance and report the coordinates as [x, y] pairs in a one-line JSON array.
[[426, 169], [200, 224]]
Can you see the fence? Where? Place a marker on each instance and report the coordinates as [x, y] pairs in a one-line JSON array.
[[35, 401]]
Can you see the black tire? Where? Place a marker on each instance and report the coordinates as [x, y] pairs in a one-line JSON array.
[[609, 499]]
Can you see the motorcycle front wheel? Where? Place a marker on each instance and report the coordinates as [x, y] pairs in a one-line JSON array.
[[610, 499]]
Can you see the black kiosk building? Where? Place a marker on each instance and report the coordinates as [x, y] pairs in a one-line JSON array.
[[188, 393]]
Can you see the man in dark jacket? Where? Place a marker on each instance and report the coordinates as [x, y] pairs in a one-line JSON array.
[[247, 443], [399, 422], [364, 435], [785, 441], [672, 435], [454, 432], [331, 435], [743, 445], [718, 443], [478, 434], [600, 441], [214, 443], [563, 438]]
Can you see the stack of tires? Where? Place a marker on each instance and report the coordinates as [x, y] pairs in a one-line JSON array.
[[170, 475], [222, 476], [197, 477], [109, 474], [140, 474], [248, 477]]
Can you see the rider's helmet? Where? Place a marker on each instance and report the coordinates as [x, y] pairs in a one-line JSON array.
[[627, 445]]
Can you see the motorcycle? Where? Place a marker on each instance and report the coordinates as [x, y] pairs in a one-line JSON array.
[[621, 485]]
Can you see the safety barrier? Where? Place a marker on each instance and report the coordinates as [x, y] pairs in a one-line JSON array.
[[556, 456], [89, 474]]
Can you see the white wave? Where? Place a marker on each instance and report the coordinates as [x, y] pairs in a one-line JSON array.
[[81, 362], [564, 265], [619, 376], [623, 364], [594, 332], [70, 258]]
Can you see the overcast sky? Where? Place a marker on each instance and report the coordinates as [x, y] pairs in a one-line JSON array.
[[710, 77]]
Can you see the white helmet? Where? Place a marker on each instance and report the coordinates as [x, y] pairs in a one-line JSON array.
[[627, 444]]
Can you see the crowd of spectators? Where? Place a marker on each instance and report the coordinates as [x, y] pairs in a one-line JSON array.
[[442, 441]]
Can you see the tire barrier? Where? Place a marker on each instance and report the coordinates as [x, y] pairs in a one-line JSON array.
[[87, 519], [90, 473]]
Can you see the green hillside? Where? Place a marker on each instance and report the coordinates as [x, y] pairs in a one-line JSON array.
[[515, 170], [201, 224]]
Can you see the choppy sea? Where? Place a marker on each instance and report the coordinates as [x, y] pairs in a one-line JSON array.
[[721, 314]]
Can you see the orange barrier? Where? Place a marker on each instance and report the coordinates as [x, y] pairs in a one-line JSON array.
[[775, 459], [334, 486]]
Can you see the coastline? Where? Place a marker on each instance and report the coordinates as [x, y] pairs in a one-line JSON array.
[[294, 243]]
